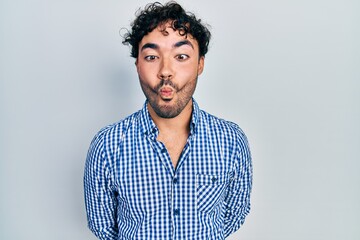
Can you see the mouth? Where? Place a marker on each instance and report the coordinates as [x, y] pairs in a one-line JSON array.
[[166, 93]]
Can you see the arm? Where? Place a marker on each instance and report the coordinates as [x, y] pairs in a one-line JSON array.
[[238, 193], [100, 200]]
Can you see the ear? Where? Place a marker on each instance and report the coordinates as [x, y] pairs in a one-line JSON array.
[[201, 65], [136, 64]]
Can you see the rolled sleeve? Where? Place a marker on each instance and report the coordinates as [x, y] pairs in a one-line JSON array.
[[100, 199]]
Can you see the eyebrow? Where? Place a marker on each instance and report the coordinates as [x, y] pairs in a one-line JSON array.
[[150, 45], [184, 42], [176, 45]]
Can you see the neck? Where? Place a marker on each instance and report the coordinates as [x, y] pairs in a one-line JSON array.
[[177, 124]]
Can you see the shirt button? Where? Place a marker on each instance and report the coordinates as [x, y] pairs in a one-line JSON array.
[[163, 150], [176, 211], [176, 180], [214, 179]]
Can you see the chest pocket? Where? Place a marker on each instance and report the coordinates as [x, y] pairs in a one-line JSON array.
[[210, 191]]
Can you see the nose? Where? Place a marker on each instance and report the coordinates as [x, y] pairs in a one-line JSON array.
[[165, 71]]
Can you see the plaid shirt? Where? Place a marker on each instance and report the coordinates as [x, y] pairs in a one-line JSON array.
[[132, 190]]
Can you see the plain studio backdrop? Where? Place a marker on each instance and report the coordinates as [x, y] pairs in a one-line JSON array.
[[287, 72]]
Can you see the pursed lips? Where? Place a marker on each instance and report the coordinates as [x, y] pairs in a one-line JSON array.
[[166, 91]]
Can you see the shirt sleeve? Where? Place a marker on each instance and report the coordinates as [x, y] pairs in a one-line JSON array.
[[237, 200], [100, 200]]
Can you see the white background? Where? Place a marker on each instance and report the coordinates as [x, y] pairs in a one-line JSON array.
[[287, 72]]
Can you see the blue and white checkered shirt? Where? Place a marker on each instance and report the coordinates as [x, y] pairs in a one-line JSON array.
[[132, 190]]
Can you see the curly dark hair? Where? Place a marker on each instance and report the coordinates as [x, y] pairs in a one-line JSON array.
[[155, 14]]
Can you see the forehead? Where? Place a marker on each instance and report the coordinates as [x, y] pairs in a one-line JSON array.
[[165, 36]]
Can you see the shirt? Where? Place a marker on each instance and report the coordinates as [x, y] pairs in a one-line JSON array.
[[132, 190]]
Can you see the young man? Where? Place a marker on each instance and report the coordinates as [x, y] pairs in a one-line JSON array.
[[170, 170]]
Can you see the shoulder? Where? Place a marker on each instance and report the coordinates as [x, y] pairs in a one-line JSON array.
[[227, 132], [112, 134], [226, 127]]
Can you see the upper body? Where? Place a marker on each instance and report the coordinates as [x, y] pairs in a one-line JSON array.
[[133, 190], [171, 170]]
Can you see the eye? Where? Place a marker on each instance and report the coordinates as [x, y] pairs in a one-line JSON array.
[[150, 58], [182, 57]]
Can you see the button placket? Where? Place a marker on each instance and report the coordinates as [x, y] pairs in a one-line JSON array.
[[175, 180], [175, 205], [175, 194], [164, 156]]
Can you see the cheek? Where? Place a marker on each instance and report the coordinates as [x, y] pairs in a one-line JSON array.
[[187, 72], [141, 69], [147, 77], [145, 71], [144, 67]]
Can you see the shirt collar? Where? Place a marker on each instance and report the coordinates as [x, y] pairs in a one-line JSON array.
[[194, 117], [149, 127]]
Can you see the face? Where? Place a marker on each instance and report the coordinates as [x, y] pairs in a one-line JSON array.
[[168, 66]]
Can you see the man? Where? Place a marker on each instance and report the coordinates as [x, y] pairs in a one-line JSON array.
[[170, 170]]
